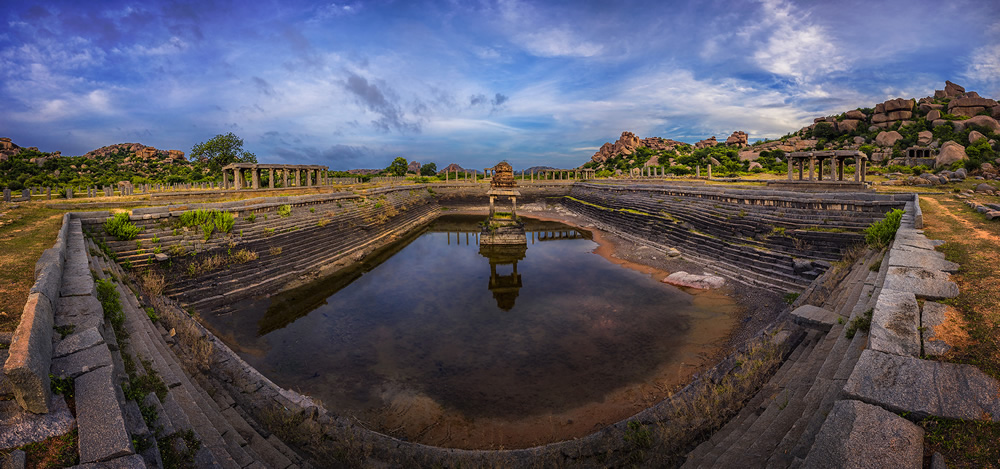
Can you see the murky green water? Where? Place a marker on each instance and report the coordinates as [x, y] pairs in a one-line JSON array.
[[438, 330]]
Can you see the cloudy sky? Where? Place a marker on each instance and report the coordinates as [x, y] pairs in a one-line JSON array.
[[352, 85]]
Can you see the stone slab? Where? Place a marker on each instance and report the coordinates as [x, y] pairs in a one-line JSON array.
[[87, 305], [102, 427], [84, 361], [929, 284], [30, 354], [921, 259], [17, 459], [895, 324], [857, 435], [932, 316], [924, 387], [78, 341], [125, 462], [48, 280], [18, 427], [74, 285], [815, 316]]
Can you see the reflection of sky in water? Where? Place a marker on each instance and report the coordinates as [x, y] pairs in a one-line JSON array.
[[425, 321]]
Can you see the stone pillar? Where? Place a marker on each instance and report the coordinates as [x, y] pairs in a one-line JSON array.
[[801, 163], [513, 207], [812, 167], [857, 169], [69, 193], [270, 178], [697, 172], [48, 193], [309, 181], [710, 171], [238, 178], [298, 178], [789, 161], [492, 197], [6, 195], [284, 177], [255, 174]]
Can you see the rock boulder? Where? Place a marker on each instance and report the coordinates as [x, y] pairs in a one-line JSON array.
[[925, 138], [950, 153], [887, 139], [703, 282]]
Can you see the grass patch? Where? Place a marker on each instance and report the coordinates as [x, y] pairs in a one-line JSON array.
[[963, 443], [58, 451], [121, 227], [790, 297], [243, 256], [880, 234], [859, 323]]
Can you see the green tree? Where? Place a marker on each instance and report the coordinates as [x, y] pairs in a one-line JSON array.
[[221, 150], [428, 169], [397, 167]]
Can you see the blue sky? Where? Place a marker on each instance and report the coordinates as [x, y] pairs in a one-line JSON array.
[[355, 84]]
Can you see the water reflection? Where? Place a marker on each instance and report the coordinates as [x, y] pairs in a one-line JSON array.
[[413, 330]]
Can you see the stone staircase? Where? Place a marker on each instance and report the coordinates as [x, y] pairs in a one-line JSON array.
[[228, 437], [777, 428]]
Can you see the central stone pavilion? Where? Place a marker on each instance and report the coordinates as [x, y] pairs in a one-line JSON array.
[[503, 227]]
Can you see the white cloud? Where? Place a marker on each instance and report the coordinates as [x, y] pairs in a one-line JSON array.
[[984, 64], [174, 45], [526, 28], [794, 47]]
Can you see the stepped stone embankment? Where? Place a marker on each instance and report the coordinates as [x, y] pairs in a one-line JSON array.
[[816, 408]]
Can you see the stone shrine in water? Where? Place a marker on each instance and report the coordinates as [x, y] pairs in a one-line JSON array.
[[503, 227]]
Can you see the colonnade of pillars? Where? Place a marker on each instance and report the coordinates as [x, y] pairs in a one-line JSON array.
[[471, 238], [300, 177], [836, 168]]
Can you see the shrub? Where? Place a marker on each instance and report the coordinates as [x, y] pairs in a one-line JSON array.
[[121, 227], [224, 221], [878, 235], [243, 256], [859, 323], [285, 210], [251, 217]]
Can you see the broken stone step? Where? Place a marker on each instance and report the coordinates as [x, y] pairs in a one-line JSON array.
[[860, 435], [102, 433]]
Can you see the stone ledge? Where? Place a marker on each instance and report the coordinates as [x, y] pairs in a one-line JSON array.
[[929, 284], [923, 387], [856, 434], [18, 427], [27, 367], [102, 426], [895, 326], [816, 317]]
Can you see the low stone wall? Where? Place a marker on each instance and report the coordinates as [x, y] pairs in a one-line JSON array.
[[891, 378], [30, 354]]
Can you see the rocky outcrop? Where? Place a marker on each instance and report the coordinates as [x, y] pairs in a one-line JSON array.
[[739, 138], [950, 90], [413, 167], [141, 152], [708, 142], [627, 144], [950, 153], [970, 106], [887, 139], [892, 111]]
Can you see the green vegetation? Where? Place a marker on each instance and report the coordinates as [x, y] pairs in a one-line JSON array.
[[859, 323], [121, 227], [62, 386], [790, 297], [285, 210], [397, 167], [251, 217], [222, 150], [58, 451], [880, 234], [429, 169]]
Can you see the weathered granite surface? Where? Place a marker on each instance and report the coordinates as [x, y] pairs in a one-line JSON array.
[[19, 427], [815, 316], [78, 341], [27, 367], [929, 284], [857, 435], [923, 387], [895, 324], [932, 316], [102, 426]]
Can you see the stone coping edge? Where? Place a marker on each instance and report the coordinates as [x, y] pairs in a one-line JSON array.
[[30, 354]]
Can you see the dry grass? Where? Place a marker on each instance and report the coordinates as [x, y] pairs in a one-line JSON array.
[[243, 256], [152, 283], [974, 332], [24, 233], [275, 251]]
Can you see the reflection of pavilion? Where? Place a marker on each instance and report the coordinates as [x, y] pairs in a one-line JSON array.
[[504, 287]]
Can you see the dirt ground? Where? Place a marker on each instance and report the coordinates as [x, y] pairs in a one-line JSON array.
[[24, 233]]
